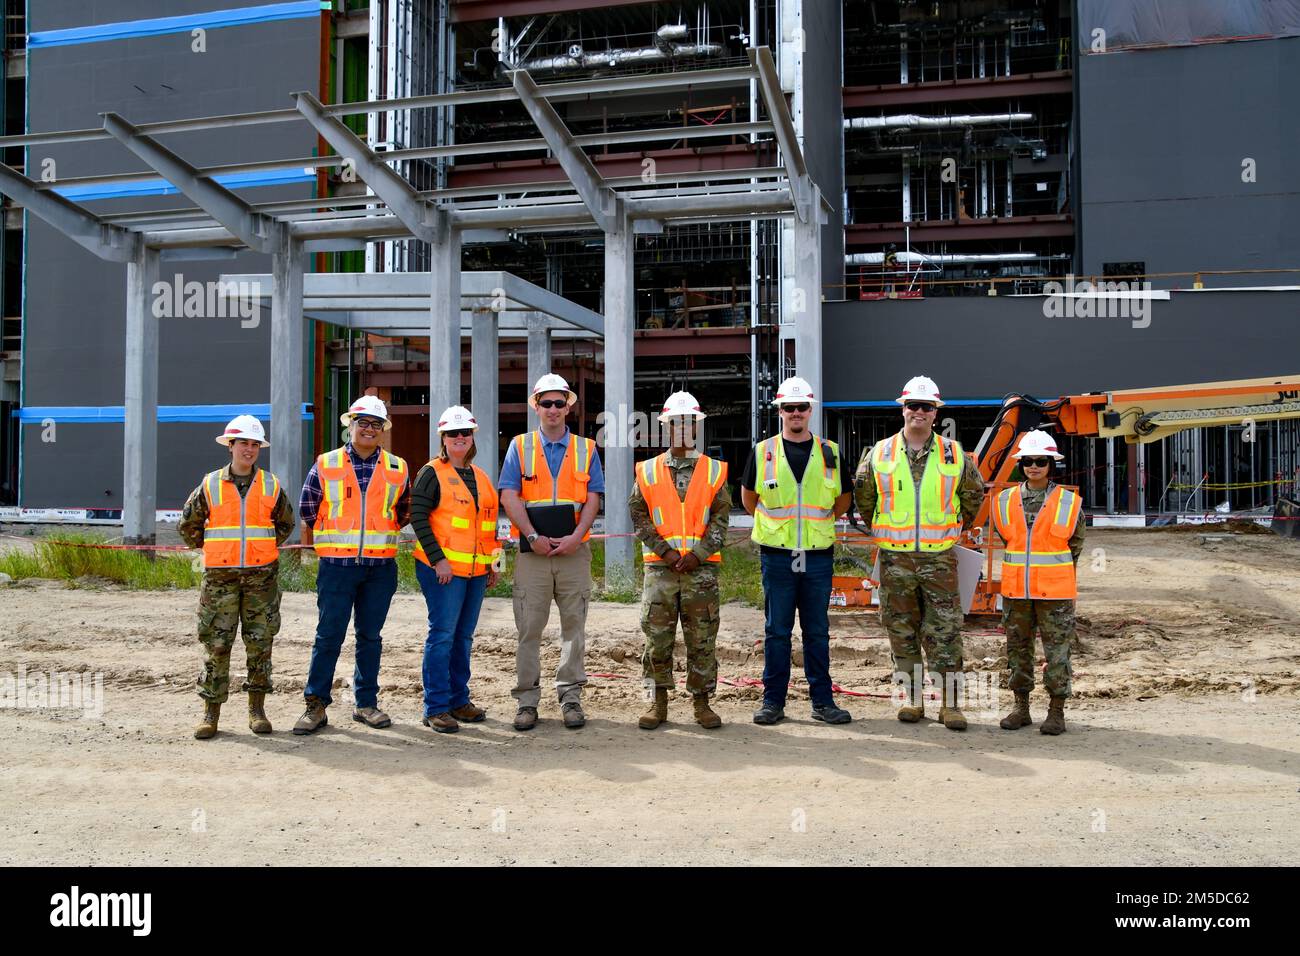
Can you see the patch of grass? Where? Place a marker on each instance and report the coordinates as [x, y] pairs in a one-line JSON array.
[[20, 564], [61, 559]]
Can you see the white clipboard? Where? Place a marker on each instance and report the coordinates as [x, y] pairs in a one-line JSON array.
[[970, 568]]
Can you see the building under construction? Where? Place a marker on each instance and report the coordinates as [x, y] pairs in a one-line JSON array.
[[969, 158]]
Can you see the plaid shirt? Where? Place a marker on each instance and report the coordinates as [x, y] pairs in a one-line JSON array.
[[312, 496]]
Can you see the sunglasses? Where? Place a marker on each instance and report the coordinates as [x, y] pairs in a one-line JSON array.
[[920, 407], [459, 432], [369, 424], [552, 403], [1035, 462], [800, 407]]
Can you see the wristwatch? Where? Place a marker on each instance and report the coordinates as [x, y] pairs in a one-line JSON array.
[[532, 537]]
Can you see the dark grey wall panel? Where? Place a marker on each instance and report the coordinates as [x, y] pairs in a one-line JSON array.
[[63, 14], [1163, 136], [985, 347], [823, 106], [75, 303]]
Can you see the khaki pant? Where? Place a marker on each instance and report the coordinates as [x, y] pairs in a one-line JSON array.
[[539, 581]]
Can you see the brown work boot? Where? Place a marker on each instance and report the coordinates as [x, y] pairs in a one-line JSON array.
[[658, 711], [469, 713], [1019, 716], [257, 721], [1055, 722], [526, 719], [313, 718], [704, 715], [371, 717], [573, 716], [915, 708], [208, 725], [950, 714], [443, 723]]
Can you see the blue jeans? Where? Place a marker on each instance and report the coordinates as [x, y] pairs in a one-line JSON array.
[[809, 590], [342, 589], [453, 615]]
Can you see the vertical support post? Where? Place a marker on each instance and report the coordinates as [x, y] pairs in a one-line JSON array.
[[806, 304], [539, 357], [1136, 504], [620, 327], [288, 385], [1110, 476], [484, 391], [444, 323], [140, 438]]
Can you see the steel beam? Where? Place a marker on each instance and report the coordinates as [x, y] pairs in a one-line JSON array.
[[805, 302], [140, 436], [620, 328], [485, 369], [539, 358], [288, 386], [444, 322], [253, 229], [787, 138], [87, 230]]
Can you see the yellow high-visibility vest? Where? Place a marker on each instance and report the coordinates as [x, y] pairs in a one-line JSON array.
[[909, 517], [790, 514]]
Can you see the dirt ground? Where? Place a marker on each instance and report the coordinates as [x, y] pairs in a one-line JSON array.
[[1182, 745]]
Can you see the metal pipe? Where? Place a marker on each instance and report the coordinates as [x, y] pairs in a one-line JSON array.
[[916, 121]]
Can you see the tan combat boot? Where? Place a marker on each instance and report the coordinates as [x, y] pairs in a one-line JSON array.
[[658, 711], [950, 714], [704, 715], [208, 725], [257, 721], [1019, 716], [1055, 722], [915, 710]]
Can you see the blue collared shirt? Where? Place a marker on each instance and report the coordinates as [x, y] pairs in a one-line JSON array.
[[512, 477]]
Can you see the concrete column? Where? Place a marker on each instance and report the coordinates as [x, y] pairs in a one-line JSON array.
[[805, 305], [1137, 479], [539, 356], [444, 325], [484, 390], [288, 381], [140, 439], [620, 327]]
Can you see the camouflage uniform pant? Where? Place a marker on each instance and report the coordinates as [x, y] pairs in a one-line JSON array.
[[1054, 621], [666, 597], [229, 599], [920, 606]]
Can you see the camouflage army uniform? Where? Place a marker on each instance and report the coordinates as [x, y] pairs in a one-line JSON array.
[[920, 603], [1053, 619], [234, 595], [668, 594]]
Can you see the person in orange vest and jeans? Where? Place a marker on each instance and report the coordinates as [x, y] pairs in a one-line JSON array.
[[238, 515], [354, 501], [680, 506], [551, 466], [1042, 525], [458, 557]]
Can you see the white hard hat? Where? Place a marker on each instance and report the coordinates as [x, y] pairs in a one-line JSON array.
[[793, 389], [243, 426], [550, 382], [456, 418], [1035, 444], [369, 406], [682, 405], [920, 389]]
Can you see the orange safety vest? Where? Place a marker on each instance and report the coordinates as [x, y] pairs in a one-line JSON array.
[[538, 487], [239, 532], [681, 523], [467, 534], [349, 525], [1037, 564]]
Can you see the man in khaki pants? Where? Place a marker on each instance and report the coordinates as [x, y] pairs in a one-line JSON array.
[[551, 466]]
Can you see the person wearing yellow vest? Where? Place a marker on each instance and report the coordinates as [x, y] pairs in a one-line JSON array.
[[353, 504], [919, 490], [680, 505], [458, 557], [239, 516], [551, 466], [1041, 523], [795, 486]]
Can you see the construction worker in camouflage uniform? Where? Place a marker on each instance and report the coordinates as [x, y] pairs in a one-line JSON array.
[[239, 516], [680, 506], [1042, 525], [917, 514]]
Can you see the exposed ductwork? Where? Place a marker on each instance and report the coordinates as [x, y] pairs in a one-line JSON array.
[[916, 121], [944, 259], [668, 46]]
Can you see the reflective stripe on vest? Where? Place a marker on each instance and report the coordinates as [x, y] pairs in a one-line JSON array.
[[466, 532], [911, 516], [240, 532], [539, 486], [680, 522], [350, 524], [796, 515], [1037, 563]]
